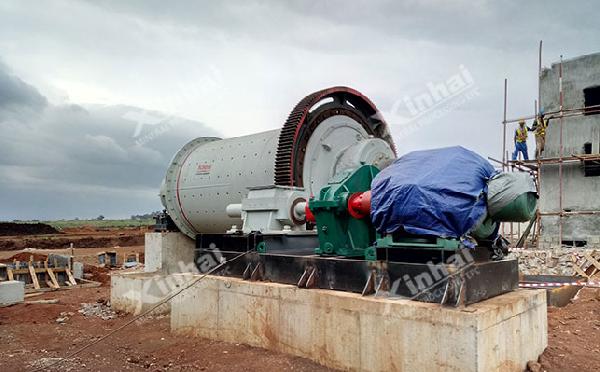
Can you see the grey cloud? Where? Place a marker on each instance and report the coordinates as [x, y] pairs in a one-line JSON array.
[[17, 95], [241, 66], [49, 150], [342, 25]]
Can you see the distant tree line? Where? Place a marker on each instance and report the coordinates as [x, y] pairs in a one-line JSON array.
[[144, 216], [135, 217]]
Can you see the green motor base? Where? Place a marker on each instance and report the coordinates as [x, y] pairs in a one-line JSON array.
[[339, 233]]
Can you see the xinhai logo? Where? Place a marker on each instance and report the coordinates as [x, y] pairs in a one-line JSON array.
[[437, 93]]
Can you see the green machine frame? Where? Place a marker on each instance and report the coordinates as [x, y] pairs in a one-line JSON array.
[[341, 234]]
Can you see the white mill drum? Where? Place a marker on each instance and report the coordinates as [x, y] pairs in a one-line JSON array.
[[318, 141], [208, 174]]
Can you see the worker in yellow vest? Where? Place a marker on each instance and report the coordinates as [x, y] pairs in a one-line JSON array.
[[521, 140], [539, 126]]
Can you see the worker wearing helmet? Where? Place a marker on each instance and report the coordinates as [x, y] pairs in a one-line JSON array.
[[521, 140], [539, 126]]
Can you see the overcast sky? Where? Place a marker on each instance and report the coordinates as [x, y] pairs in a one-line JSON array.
[[77, 78]]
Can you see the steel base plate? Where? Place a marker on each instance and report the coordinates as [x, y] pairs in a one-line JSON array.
[[461, 281]]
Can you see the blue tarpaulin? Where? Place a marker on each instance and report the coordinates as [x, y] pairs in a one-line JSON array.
[[439, 192]]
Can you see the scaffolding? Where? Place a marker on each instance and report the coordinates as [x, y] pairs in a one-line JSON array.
[[535, 166]]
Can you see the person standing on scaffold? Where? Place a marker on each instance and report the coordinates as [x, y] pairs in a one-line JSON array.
[[521, 141]]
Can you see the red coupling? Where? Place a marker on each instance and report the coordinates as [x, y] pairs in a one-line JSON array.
[[310, 217], [359, 204]]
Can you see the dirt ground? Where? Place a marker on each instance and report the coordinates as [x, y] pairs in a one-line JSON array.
[[574, 334], [31, 337], [88, 256], [81, 237], [11, 228]]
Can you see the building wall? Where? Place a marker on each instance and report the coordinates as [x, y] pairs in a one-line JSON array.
[[579, 192]]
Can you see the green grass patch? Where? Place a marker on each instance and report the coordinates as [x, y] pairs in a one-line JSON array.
[[61, 224]]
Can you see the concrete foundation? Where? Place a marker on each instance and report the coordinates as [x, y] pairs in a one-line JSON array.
[[78, 270], [136, 292], [11, 292], [164, 253], [347, 331], [61, 260], [168, 252]]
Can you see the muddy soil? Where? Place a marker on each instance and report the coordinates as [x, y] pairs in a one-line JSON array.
[[31, 338], [78, 237], [574, 335], [11, 228]]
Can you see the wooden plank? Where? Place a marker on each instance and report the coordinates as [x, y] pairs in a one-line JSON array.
[[17, 264], [579, 271], [53, 279], [592, 260], [52, 301], [9, 272], [33, 294], [39, 270], [593, 268], [34, 278], [86, 284], [71, 278]]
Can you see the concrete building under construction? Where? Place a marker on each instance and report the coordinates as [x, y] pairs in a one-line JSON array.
[[569, 167]]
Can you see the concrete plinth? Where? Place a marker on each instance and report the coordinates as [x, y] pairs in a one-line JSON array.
[[348, 331], [11, 292], [136, 292], [78, 270], [61, 259], [168, 252], [345, 330]]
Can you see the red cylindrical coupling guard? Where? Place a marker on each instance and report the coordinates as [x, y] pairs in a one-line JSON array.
[[310, 217], [359, 204]]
